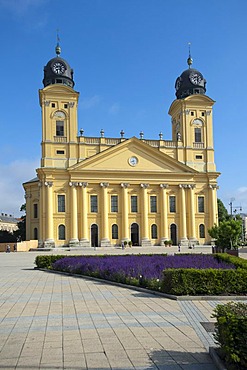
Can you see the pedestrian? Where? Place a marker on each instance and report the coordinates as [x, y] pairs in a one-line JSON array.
[[179, 247], [15, 247], [8, 249]]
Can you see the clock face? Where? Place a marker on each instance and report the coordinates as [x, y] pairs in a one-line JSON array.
[[58, 68], [133, 161], [195, 78], [178, 84]]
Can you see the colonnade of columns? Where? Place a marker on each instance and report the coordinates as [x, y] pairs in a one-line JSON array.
[[187, 230]]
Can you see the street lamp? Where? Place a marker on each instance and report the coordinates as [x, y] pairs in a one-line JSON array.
[[231, 204]]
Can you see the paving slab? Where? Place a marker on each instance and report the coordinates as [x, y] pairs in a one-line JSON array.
[[51, 321]]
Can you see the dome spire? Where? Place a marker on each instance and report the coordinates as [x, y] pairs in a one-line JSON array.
[[189, 60], [58, 49]]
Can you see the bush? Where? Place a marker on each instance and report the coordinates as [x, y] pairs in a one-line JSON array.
[[238, 262], [204, 281], [45, 262], [231, 334]]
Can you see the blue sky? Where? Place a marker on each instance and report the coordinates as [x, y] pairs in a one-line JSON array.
[[126, 56]]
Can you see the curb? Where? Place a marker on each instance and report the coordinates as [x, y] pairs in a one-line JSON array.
[[216, 359]]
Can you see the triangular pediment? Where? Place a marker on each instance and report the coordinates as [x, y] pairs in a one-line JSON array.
[[132, 155]]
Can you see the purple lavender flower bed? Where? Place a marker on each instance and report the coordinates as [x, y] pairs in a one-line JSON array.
[[129, 267]]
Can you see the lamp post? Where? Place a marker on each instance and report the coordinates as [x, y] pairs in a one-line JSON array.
[[231, 204]]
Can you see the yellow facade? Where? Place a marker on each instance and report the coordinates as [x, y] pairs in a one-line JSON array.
[[98, 191]]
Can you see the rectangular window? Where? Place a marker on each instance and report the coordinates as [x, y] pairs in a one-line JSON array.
[[94, 203], [59, 128], [133, 201], [201, 204], [114, 203], [35, 210], [61, 203], [60, 151], [153, 203], [172, 203], [198, 156], [198, 135]]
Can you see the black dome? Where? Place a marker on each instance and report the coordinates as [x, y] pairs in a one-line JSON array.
[[191, 82], [58, 71]]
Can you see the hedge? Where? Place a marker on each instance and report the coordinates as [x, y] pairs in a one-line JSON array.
[[204, 281], [237, 261], [45, 262], [231, 334]]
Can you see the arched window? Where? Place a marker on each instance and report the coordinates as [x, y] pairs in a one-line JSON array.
[[35, 233], [154, 232], [114, 231], [202, 231], [61, 232]]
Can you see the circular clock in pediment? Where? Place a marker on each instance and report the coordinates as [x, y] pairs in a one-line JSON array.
[[133, 161]]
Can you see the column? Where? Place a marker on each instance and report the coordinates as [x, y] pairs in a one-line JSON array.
[[74, 215], [213, 205], [163, 214], [144, 212], [84, 241], [49, 237], [105, 242], [192, 235], [183, 226], [125, 212], [40, 214]]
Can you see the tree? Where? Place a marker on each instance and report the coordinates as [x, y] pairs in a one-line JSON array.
[[222, 211], [20, 233], [227, 234], [7, 237]]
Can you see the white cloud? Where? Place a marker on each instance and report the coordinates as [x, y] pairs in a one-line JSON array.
[[238, 197], [11, 179], [114, 109], [21, 7], [91, 102]]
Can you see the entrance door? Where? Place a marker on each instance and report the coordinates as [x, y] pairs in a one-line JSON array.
[[173, 234], [94, 236], [135, 234]]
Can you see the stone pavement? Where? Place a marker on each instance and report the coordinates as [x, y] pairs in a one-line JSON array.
[[53, 321]]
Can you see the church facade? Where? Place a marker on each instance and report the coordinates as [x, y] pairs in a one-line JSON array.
[[99, 191]]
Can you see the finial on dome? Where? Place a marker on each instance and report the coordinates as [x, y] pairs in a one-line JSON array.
[[189, 60], [58, 49]]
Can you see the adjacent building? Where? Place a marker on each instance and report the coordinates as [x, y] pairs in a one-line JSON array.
[[102, 191], [8, 222]]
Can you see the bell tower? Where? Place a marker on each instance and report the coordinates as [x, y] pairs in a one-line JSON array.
[[192, 124], [58, 101]]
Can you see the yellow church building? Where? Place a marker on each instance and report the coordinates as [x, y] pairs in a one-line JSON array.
[[99, 191]]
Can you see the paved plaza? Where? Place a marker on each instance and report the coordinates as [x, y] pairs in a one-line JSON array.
[[55, 321]]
